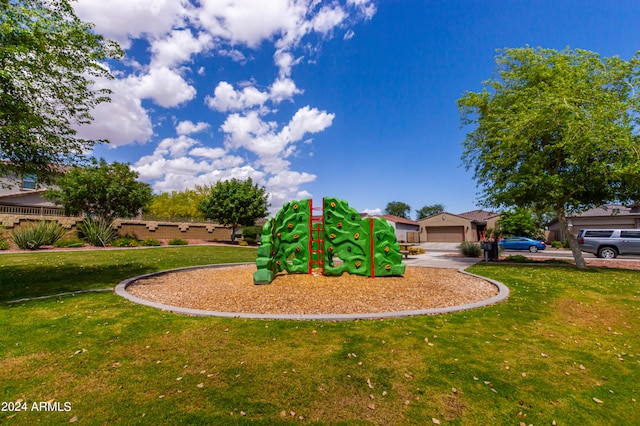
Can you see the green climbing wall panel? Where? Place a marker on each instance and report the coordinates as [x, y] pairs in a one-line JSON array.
[[360, 246]]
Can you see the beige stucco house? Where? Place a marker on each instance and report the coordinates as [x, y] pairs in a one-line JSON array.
[[406, 230], [612, 216], [456, 228]]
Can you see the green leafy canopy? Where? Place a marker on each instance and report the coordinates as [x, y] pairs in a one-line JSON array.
[[429, 210], [49, 60], [235, 202], [178, 204], [105, 191], [398, 208], [555, 130]]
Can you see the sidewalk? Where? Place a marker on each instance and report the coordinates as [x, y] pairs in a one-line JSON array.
[[439, 255]]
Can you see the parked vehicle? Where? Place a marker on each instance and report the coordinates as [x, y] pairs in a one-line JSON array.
[[609, 243], [522, 243]]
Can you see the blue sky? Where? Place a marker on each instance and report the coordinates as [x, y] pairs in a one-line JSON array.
[[354, 99]]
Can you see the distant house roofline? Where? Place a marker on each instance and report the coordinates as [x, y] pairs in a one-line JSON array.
[[391, 218], [608, 210], [475, 216]]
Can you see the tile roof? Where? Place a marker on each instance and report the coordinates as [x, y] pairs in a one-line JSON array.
[[478, 215], [398, 219], [609, 210]]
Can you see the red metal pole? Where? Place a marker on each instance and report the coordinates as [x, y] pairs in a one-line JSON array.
[[310, 252], [372, 248]]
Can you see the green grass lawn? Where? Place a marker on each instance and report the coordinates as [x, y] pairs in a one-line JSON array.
[[563, 348]]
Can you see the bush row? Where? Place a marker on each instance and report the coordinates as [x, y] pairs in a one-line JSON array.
[[95, 233]]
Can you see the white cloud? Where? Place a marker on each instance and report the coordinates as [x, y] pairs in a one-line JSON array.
[[175, 147], [283, 89], [308, 120], [372, 212], [285, 61], [272, 164], [123, 120], [178, 47], [183, 166], [207, 152], [122, 20], [365, 7], [328, 18], [258, 141], [188, 127], [226, 98], [289, 178], [165, 87], [250, 22], [250, 132], [234, 54]]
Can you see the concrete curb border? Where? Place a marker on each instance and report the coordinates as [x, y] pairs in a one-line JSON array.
[[121, 290]]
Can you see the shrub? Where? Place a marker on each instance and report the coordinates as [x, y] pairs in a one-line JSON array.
[[243, 243], [518, 258], [126, 241], [32, 237], [556, 244], [150, 242], [178, 242], [4, 244], [96, 232], [249, 240], [470, 249], [70, 243], [416, 250], [251, 232]]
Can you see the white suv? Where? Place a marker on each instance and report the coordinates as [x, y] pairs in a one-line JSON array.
[[609, 243]]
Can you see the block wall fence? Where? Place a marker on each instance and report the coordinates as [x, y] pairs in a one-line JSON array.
[[141, 229]]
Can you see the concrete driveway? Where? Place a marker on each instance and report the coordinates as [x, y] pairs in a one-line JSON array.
[[440, 255]]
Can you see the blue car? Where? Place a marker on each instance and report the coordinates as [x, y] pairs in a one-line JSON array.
[[522, 243]]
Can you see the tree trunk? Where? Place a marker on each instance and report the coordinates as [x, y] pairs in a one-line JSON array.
[[573, 242]]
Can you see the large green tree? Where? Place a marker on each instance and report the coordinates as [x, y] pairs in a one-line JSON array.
[[429, 210], [235, 203], [555, 130], [398, 208], [519, 221], [101, 190], [48, 62], [178, 204]]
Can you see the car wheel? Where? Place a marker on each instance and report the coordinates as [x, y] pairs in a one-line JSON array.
[[607, 253], [533, 249]]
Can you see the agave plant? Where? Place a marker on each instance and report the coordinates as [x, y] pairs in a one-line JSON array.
[[97, 232], [32, 237]]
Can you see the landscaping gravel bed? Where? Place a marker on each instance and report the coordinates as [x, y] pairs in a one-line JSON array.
[[231, 289]]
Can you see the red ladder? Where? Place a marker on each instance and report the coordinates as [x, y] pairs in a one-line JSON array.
[[316, 237]]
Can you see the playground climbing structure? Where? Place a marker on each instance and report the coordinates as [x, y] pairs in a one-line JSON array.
[[331, 238]]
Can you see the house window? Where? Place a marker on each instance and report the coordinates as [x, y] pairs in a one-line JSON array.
[[29, 181]]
